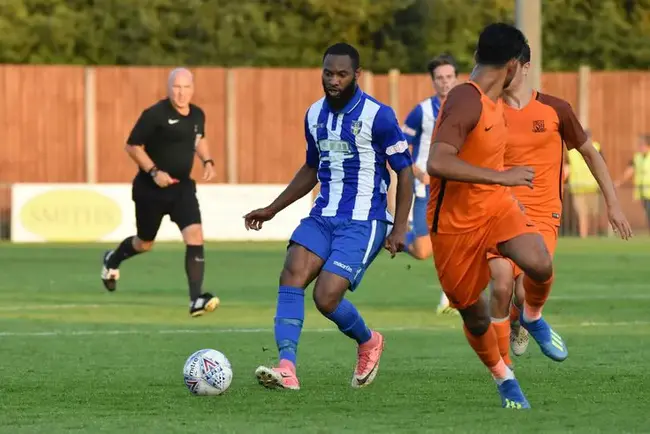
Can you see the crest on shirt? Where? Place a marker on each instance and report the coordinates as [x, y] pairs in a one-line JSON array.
[[356, 127], [538, 126]]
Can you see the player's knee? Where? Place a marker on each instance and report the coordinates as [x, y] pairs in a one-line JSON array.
[[543, 269], [294, 276], [193, 235], [477, 326], [141, 245], [476, 317], [326, 301], [501, 295]]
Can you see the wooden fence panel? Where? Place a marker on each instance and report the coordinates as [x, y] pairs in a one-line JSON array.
[[41, 118], [271, 107]]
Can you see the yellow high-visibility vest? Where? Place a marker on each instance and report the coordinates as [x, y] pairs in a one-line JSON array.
[[642, 175], [581, 180]]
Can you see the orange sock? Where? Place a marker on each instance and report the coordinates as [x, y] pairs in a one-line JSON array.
[[514, 313], [502, 329], [536, 295], [486, 347]]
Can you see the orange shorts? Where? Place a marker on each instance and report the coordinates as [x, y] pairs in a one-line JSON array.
[[462, 259], [548, 230]]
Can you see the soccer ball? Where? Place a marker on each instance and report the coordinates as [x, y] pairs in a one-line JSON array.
[[207, 372]]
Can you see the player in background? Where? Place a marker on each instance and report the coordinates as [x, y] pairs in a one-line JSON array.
[[349, 135], [418, 129], [538, 126], [473, 213]]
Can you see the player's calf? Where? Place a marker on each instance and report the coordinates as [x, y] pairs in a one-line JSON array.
[[501, 290], [518, 335], [112, 259], [482, 337], [328, 296]]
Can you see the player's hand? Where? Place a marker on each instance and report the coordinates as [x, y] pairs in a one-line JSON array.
[[255, 219], [162, 179], [619, 222], [518, 175], [421, 176], [395, 241], [209, 172]]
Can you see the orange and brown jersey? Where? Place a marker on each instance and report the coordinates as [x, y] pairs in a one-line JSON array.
[[473, 123], [536, 134]]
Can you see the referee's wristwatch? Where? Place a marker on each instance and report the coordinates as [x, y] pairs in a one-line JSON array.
[[153, 171], [208, 161]]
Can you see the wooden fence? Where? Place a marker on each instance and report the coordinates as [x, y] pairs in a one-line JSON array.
[[69, 124]]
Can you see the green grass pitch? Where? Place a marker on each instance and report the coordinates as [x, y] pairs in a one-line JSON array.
[[78, 359]]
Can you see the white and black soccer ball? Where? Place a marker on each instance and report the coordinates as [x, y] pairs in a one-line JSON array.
[[207, 372]]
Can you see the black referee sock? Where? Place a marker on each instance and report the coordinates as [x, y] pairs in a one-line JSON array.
[[124, 251], [194, 267]]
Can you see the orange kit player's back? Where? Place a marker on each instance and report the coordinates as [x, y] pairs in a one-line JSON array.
[[458, 206], [536, 134]]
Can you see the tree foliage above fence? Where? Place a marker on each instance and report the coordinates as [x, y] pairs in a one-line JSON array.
[[606, 34]]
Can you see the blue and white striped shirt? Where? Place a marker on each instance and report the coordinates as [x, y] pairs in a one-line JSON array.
[[350, 148], [418, 129]]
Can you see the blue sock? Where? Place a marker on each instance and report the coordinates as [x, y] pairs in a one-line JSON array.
[[349, 321], [410, 239], [289, 315]]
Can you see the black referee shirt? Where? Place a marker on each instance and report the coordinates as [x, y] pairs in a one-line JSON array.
[[169, 138]]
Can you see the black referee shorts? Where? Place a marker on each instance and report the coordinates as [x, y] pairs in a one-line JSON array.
[[153, 203]]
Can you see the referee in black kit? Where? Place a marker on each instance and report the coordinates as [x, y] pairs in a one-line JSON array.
[[163, 143]]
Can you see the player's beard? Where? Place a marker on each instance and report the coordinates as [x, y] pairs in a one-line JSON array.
[[344, 96]]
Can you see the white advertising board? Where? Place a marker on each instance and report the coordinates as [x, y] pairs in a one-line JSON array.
[[106, 213]]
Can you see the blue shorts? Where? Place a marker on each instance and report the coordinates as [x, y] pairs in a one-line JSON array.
[[347, 246], [420, 226]]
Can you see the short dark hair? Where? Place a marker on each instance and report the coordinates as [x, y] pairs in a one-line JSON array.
[[441, 60], [343, 49], [499, 43], [524, 57]]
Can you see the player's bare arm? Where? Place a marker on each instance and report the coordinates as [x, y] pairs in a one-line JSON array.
[[302, 183], [460, 115], [445, 163], [598, 168], [403, 199]]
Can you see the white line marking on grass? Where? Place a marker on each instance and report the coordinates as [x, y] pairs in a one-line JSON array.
[[617, 297], [49, 307], [63, 333]]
